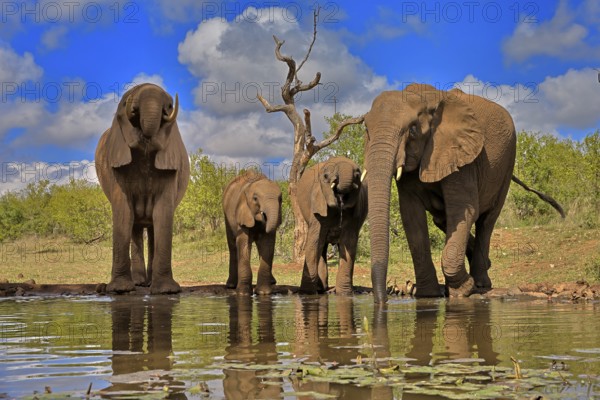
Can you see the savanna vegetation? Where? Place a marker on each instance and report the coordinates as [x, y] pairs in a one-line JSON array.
[[44, 220]]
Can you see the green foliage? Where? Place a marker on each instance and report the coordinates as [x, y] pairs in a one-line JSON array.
[[80, 210], [565, 169], [35, 198], [201, 208], [351, 142], [12, 217]]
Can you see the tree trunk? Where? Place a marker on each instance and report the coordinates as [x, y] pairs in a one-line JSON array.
[[300, 227]]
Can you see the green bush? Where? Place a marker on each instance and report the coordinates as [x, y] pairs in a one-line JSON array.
[[81, 211]]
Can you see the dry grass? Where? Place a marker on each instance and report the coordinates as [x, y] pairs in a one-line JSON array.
[[558, 252]]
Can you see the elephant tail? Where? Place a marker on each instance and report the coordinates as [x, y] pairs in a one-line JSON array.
[[541, 195]]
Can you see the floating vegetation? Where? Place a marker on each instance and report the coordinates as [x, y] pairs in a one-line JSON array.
[[449, 380]]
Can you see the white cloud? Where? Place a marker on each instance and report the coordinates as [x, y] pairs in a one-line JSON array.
[[55, 37], [234, 59], [557, 104], [16, 69], [15, 176], [564, 36]]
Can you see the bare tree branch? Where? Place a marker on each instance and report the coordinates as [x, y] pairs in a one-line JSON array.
[[269, 108], [315, 19], [288, 97], [303, 88], [338, 132], [309, 137]]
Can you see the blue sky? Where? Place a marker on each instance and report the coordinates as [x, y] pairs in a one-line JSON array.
[[64, 65]]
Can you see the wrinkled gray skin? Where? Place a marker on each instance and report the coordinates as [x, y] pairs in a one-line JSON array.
[[252, 207], [143, 168], [334, 204], [457, 153]]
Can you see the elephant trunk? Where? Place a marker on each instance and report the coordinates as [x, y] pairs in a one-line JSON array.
[[346, 178], [381, 157], [150, 118], [271, 211]]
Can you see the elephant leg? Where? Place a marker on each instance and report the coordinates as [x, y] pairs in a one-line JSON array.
[[440, 222], [461, 201], [315, 242], [480, 262], [266, 250], [232, 280], [414, 220], [138, 265], [347, 247], [243, 244], [162, 218], [121, 280], [322, 272], [150, 231]]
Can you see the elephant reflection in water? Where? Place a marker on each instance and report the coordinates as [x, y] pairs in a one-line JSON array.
[[136, 321], [319, 340], [466, 333], [245, 348]]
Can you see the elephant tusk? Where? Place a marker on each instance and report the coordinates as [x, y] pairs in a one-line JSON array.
[[398, 173], [333, 185], [171, 118], [362, 176]]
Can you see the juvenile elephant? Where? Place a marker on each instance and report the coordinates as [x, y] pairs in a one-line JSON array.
[[252, 207], [452, 155], [334, 204], [143, 168]]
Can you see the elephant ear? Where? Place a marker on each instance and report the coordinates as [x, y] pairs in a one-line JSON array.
[[317, 199], [243, 214], [456, 139], [118, 148], [173, 149]]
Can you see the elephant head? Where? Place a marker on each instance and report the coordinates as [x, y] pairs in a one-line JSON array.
[[416, 129], [260, 202], [337, 185], [146, 120]]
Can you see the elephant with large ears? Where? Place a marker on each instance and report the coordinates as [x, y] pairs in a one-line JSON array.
[[453, 155], [143, 168], [334, 204], [252, 207]]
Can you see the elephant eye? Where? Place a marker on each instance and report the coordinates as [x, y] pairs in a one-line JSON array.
[[255, 198], [412, 130], [326, 176]]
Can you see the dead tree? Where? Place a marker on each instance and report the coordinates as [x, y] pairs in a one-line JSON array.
[[305, 144]]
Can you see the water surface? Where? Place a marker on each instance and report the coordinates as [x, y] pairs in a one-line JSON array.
[[222, 347]]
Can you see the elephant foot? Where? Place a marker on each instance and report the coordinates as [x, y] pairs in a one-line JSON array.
[[120, 285], [308, 289], [342, 291], [164, 286], [464, 289], [430, 290], [263, 290], [231, 284], [483, 281], [140, 281], [244, 290], [273, 280]]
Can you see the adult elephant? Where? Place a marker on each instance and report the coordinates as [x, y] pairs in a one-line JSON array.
[[143, 168], [252, 207], [453, 155], [334, 204]]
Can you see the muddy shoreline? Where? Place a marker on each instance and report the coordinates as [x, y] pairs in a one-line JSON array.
[[570, 291]]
